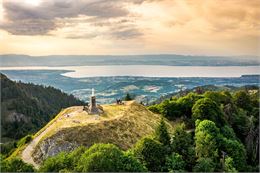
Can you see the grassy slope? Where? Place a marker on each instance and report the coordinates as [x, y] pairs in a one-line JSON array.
[[122, 125]]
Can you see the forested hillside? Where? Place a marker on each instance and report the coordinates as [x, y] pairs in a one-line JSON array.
[[226, 127], [214, 131], [25, 108]]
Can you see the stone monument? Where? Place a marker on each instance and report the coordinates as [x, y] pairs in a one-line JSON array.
[[93, 107]]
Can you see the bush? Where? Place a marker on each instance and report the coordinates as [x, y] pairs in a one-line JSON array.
[[24, 140], [175, 163], [206, 108], [107, 158], [236, 150], [204, 165], [154, 109], [182, 143], [151, 153], [242, 100], [229, 165], [128, 97], [162, 134], [56, 163], [15, 165], [186, 103], [206, 134]]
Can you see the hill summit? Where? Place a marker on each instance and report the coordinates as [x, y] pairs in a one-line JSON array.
[[122, 125]]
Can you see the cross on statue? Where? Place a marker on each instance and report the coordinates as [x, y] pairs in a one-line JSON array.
[[93, 92]]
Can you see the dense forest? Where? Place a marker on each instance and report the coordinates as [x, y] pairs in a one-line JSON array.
[[214, 131], [26, 108]]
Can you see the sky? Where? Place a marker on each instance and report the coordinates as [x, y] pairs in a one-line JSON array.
[[99, 27]]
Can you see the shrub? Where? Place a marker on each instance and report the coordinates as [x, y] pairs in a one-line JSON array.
[[204, 165], [206, 108], [15, 165], [151, 153], [175, 163]]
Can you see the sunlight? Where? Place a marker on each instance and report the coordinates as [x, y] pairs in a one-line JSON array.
[[33, 2]]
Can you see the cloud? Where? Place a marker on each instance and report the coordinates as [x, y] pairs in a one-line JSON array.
[[23, 19]]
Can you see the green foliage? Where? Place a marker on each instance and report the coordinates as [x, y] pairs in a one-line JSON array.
[[204, 165], [131, 164], [15, 165], [228, 132], [128, 97], [242, 100], [162, 134], [7, 148], [107, 158], [182, 143], [169, 109], [206, 108], [229, 165], [35, 105], [186, 103], [24, 140], [236, 150], [75, 156], [151, 153], [175, 163], [205, 139], [154, 109], [219, 97], [56, 163]]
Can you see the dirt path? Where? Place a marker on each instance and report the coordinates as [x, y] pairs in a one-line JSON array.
[[26, 154]]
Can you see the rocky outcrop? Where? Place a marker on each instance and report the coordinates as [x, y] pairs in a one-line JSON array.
[[51, 147]]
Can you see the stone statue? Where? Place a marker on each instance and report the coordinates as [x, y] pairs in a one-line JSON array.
[[93, 107]]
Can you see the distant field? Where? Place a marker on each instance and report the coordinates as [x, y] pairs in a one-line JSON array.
[[108, 89]]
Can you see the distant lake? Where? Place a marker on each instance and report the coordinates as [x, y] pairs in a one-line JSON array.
[[148, 70]]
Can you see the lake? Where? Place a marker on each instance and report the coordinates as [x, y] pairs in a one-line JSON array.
[[148, 70]]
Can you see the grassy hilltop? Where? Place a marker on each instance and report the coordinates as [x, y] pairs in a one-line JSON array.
[[122, 125]]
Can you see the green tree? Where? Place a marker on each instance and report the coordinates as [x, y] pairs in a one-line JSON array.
[[131, 164], [107, 158], [170, 109], [75, 156], [56, 163], [219, 97], [206, 134], [186, 103], [151, 153], [175, 163], [228, 132], [206, 108], [229, 165], [15, 165], [162, 134], [155, 109], [204, 165], [182, 143], [242, 100], [234, 149], [128, 97]]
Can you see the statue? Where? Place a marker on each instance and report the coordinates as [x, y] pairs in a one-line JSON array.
[[93, 107]]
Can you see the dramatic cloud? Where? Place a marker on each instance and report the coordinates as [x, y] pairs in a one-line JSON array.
[[131, 26], [23, 19]]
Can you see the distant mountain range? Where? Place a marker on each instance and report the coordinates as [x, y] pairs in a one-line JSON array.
[[11, 60]]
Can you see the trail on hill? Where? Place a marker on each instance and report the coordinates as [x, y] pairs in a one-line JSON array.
[[127, 122], [26, 154]]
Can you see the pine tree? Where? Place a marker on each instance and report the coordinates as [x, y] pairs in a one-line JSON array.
[[128, 97], [162, 134]]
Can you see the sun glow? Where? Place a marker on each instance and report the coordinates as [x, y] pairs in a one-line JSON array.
[[33, 2]]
